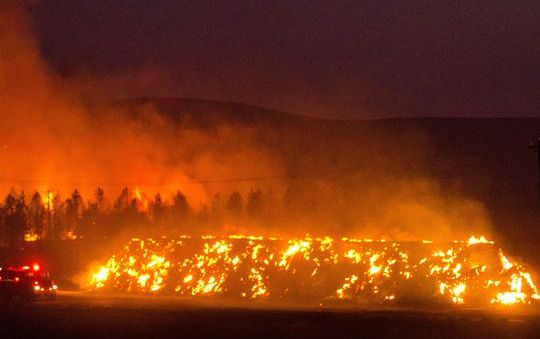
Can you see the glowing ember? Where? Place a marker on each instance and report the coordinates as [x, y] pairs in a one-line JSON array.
[[30, 236], [473, 272], [480, 240]]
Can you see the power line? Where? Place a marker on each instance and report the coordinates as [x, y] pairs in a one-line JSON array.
[[189, 181]]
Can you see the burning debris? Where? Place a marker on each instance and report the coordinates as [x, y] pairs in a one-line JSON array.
[[473, 272]]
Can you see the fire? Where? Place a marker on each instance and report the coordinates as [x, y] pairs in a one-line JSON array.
[[506, 264], [142, 200], [463, 272], [480, 240], [30, 236], [100, 277], [47, 200]]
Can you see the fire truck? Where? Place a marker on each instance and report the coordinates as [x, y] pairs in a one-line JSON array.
[[26, 282]]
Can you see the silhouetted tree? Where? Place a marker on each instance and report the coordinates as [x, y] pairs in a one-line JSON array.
[[180, 204], [57, 217], [14, 219], [254, 206], [122, 202], [73, 211], [295, 202], [158, 210], [235, 204], [36, 216], [99, 196], [180, 211], [93, 218]]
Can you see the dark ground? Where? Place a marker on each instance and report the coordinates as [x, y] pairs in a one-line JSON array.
[[76, 315]]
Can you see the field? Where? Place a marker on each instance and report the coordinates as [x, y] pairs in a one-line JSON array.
[[84, 316]]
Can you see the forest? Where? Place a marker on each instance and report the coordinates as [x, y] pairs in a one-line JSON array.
[[49, 217]]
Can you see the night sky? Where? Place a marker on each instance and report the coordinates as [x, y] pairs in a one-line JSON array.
[[334, 59]]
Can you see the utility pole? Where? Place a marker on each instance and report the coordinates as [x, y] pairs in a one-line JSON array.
[[536, 145]]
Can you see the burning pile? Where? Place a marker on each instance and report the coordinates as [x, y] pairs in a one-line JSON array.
[[473, 272]]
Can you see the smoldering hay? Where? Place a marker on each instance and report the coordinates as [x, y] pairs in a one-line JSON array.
[[316, 270]]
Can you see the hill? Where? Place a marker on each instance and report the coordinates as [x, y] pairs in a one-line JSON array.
[[487, 160]]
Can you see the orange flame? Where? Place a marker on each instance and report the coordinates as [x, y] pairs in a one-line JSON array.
[[361, 270]]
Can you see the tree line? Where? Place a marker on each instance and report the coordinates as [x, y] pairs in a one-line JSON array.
[[48, 217]]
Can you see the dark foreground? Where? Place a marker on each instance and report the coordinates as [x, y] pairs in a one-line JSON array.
[[80, 316]]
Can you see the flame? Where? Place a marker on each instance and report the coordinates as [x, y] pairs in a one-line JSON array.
[[69, 235], [480, 240], [30, 237], [325, 268], [142, 200], [506, 264], [47, 200]]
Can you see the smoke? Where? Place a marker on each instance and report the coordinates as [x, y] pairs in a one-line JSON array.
[[50, 139]]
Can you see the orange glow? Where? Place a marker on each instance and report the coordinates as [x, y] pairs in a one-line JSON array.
[[142, 200], [30, 237], [47, 200], [355, 269], [480, 240]]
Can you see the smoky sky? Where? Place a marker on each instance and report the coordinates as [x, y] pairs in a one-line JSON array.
[[332, 59]]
